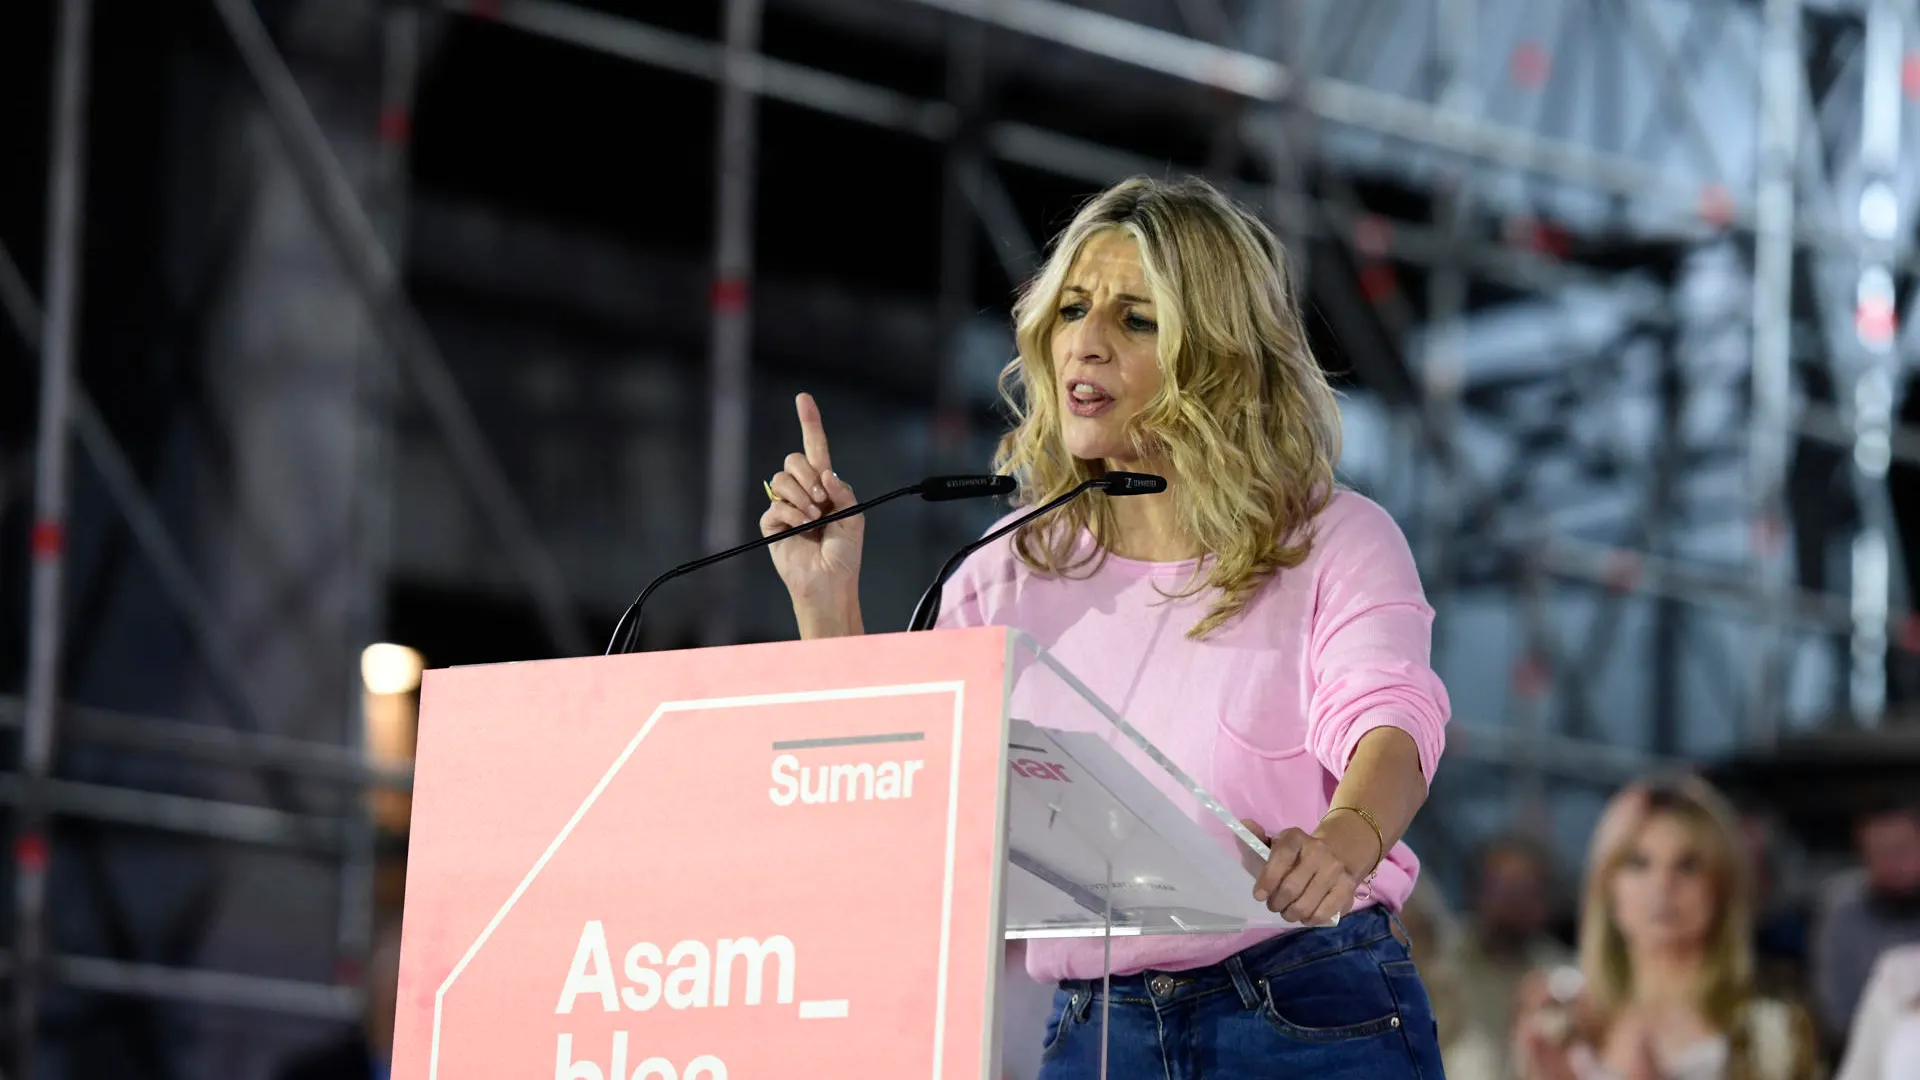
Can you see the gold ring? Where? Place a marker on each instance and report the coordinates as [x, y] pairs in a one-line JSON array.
[[768, 486]]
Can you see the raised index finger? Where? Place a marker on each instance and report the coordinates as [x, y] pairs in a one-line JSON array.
[[813, 433]]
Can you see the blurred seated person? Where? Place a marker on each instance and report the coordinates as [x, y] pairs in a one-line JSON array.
[[1505, 936], [1664, 990], [1865, 913], [366, 1053], [1781, 922], [1884, 1043], [1467, 1051]]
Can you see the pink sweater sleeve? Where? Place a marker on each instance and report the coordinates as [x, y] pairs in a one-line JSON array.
[[1371, 641]]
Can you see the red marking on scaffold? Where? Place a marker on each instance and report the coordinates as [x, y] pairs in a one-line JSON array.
[[1378, 281], [1539, 237], [1768, 533], [1530, 677], [1622, 571], [1875, 323], [396, 125], [1716, 206], [1530, 66], [728, 296], [48, 539], [1909, 637], [1910, 75], [1373, 236], [1551, 240], [30, 853]]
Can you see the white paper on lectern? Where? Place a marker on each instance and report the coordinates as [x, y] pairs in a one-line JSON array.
[[1100, 824]]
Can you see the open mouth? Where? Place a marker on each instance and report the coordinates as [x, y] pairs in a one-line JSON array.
[[1086, 398]]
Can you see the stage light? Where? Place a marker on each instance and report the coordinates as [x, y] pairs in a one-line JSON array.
[[391, 669]]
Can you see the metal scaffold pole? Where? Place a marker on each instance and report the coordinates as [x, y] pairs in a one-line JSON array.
[[1772, 357], [374, 405], [58, 349], [1442, 361], [730, 362], [1874, 558], [962, 178]]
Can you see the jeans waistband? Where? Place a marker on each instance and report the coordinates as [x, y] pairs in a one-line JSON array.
[[1276, 954]]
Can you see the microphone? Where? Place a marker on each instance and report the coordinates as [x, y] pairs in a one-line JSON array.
[[949, 488], [626, 632], [1113, 483]]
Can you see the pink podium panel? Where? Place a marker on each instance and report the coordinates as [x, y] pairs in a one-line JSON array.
[[770, 861]]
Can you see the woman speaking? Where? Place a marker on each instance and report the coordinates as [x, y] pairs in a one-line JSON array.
[[1263, 627]]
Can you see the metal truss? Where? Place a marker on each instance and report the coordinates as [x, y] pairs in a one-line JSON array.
[[1449, 245], [375, 275], [65, 411], [1790, 220]]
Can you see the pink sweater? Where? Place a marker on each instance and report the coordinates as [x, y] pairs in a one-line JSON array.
[[1264, 712]]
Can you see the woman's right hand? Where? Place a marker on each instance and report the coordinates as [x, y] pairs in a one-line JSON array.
[[820, 569]]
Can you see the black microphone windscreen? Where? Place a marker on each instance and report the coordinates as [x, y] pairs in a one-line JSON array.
[[948, 488], [1132, 483]]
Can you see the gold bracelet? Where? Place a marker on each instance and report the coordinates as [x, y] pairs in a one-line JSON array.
[[1379, 837]]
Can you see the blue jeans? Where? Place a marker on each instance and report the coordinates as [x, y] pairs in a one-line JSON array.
[[1340, 1002]]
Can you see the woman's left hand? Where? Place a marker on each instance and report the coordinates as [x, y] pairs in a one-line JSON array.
[[1304, 879]]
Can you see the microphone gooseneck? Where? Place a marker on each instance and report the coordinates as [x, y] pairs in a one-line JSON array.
[[1113, 483], [626, 632]]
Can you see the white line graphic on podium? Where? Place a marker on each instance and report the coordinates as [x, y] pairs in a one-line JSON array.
[[809, 1010]]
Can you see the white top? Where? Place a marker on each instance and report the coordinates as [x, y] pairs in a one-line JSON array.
[[1885, 1041], [1902, 1056], [1702, 1060]]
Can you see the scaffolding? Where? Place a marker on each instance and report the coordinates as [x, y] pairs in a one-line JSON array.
[[1774, 219], [1279, 110], [66, 412]]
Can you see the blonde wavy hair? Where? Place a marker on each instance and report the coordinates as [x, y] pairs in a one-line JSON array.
[[1245, 419], [1725, 983]]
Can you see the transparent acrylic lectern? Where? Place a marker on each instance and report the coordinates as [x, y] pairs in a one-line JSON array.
[[1106, 836]]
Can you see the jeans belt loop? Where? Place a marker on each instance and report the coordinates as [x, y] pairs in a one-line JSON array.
[[1237, 971], [1405, 936]]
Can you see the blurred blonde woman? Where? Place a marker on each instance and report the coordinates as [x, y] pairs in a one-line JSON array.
[[1665, 987]]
